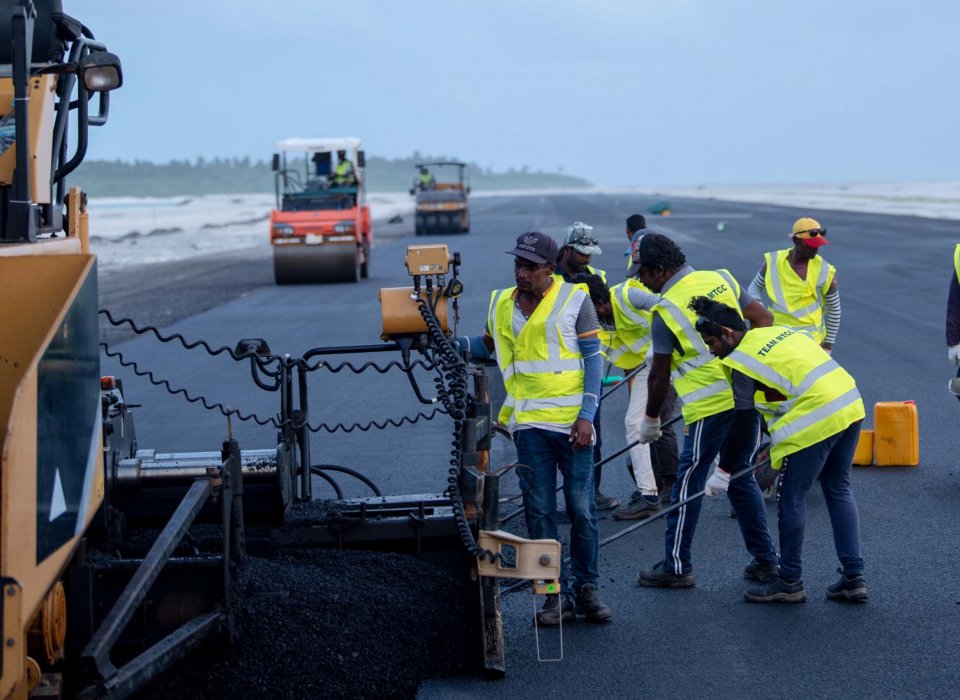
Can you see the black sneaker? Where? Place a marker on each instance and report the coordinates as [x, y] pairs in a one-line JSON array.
[[776, 590], [852, 589], [761, 571], [660, 577], [557, 607], [590, 606], [606, 502], [638, 508]]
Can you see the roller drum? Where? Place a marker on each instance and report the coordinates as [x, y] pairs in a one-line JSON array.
[[316, 264]]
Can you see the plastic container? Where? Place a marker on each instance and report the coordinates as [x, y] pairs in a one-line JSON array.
[[896, 440], [863, 457]]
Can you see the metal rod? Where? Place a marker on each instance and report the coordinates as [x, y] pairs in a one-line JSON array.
[[350, 350], [161, 656], [629, 447], [303, 438], [351, 472], [656, 516], [98, 649], [625, 380]]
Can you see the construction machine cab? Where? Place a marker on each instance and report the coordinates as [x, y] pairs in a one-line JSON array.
[[66, 70]]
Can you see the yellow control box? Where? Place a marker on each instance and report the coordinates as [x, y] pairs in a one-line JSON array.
[[863, 457], [896, 440]]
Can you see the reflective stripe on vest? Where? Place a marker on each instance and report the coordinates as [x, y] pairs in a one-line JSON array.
[[697, 376], [821, 398], [541, 363], [626, 346], [794, 302]]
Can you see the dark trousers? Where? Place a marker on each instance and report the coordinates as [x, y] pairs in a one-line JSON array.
[[596, 452], [829, 462], [701, 445]]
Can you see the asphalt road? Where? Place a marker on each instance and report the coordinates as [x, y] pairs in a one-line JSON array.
[[893, 274]]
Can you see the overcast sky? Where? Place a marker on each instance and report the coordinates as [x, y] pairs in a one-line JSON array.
[[632, 92]]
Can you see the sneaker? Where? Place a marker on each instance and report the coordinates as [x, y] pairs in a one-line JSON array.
[[638, 508], [776, 590], [590, 606], [660, 577], [557, 607], [761, 571], [606, 502], [852, 589]]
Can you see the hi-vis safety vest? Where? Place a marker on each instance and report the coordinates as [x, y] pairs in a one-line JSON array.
[[956, 261], [626, 346], [697, 375], [821, 398], [794, 302], [541, 363], [343, 171], [590, 270]]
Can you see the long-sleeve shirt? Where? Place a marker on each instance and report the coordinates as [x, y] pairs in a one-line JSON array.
[[953, 312]]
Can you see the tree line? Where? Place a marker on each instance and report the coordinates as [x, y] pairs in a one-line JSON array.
[[139, 178]]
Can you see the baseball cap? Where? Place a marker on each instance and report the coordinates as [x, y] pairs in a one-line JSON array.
[[810, 232], [582, 239], [536, 247]]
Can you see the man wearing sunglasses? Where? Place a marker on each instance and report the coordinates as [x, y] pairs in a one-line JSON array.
[[801, 286], [580, 244]]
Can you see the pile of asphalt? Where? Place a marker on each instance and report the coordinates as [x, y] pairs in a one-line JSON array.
[[335, 624]]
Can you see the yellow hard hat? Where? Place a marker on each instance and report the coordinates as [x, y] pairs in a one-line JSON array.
[[805, 224]]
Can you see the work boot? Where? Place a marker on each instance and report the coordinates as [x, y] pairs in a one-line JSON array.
[[776, 590], [606, 502], [761, 571], [638, 507], [851, 589], [590, 606], [661, 577], [557, 607]]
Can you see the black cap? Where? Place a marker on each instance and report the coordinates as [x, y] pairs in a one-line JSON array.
[[536, 247]]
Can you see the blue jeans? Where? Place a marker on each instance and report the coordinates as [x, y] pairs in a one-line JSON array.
[[829, 461], [545, 451], [701, 444]]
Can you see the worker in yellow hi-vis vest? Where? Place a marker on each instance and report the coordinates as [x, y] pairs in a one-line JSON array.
[[707, 405], [544, 334], [814, 412], [801, 287]]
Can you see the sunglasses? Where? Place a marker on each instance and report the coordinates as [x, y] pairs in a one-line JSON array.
[[811, 233], [587, 240]]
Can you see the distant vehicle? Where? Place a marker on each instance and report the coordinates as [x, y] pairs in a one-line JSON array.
[[661, 208], [442, 202], [321, 229]]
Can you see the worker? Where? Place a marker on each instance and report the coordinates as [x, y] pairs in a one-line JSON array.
[[814, 411], [544, 333], [801, 285], [624, 314], [579, 246], [635, 222], [426, 180], [953, 311], [707, 407], [344, 174]]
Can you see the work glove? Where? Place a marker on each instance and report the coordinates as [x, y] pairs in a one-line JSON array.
[[650, 429], [953, 354], [717, 483]]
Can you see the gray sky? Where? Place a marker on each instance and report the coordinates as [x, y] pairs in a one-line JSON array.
[[642, 92]]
